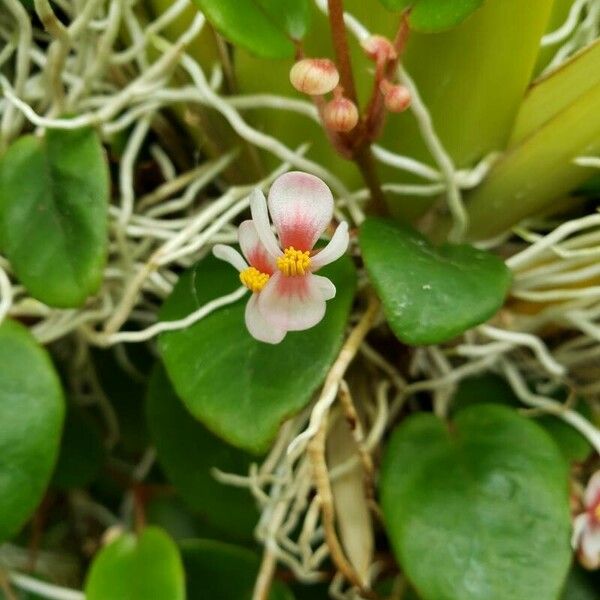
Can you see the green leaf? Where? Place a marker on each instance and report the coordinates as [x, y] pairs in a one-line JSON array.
[[224, 572], [267, 28], [187, 451], [54, 214], [31, 417], [435, 15], [81, 451], [477, 509], [137, 568], [430, 295], [242, 389]]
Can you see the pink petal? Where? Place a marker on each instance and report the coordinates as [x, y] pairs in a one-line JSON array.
[[260, 216], [292, 303], [336, 248], [592, 491], [301, 206], [590, 547], [258, 327], [326, 286], [254, 251], [230, 255]]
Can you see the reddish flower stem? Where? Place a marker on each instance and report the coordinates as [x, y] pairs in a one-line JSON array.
[[357, 143], [340, 48]]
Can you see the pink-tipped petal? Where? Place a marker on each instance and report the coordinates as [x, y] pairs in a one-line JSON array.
[[592, 491], [326, 286], [336, 248], [590, 547], [292, 303], [260, 216], [230, 255], [301, 206], [258, 327], [254, 251]]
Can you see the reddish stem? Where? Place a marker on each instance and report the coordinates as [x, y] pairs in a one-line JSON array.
[[340, 48]]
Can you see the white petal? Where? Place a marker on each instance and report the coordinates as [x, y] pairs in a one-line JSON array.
[[590, 547], [579, 525], [326, 286], [301, 206], [230, 255], [254, 251], [592, 491], [260, 216], [336, 247], [258, 327], [292, 303]]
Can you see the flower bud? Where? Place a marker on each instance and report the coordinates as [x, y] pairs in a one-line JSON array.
[[340, 114], [396, 97], [314, 76], [379, 48]]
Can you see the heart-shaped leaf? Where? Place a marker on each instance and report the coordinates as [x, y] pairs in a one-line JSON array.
[[54, 214], [430, 295], [478, 509], [31, 417], [267, 28], [187, 452], [224, 572], [435, 15], [242, 389], [137, 568]]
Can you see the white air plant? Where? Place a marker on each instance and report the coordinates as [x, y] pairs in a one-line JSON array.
[[279, 271], [586, 528]]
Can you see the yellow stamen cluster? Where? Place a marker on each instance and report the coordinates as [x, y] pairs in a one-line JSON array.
[[597, 512], [294, 262], [253, 279]]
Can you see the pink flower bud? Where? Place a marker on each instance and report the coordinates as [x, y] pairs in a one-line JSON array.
[[340, 114], [314, 76], [379, 48], [396, 97]]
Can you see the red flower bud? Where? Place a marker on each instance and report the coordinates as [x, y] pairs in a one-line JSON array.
[[396, 97], [314, 76], [379, 48], [340, 114]]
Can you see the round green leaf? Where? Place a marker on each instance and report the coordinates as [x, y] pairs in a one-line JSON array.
[[224, 572], [478, 509], [187, 451], [54, 214], [137, 568], [267, 28], [81, 451], [31, 417], [430, 295], [435, 15], [242, 389]]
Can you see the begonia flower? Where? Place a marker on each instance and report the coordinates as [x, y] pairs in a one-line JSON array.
[[301, 207], [279, 271], [586, 527]]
